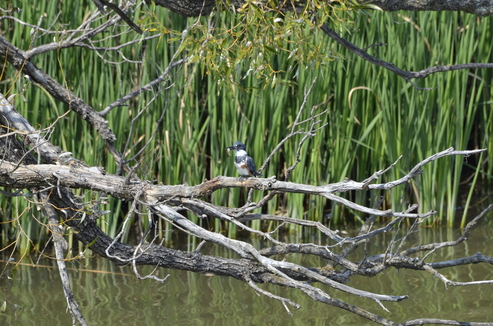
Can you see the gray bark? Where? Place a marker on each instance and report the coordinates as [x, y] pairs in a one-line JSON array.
[[194, 8], [255, 265], [28, 162]]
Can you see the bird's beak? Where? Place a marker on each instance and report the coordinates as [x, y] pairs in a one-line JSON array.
[[230, 147]]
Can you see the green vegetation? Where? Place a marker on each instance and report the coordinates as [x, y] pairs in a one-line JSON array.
[[229, 93]]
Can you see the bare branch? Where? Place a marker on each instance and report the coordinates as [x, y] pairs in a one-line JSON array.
[[192, 8], [20, 62], [406, 75], [118, 186], [465, 235], [144, 88], [61, 246], [268, 261]]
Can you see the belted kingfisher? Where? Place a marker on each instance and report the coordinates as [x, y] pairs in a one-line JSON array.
[[244, 163]]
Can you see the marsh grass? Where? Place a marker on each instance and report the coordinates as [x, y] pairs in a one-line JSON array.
[[374, 116]]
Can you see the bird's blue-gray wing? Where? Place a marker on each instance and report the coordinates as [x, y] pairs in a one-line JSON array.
[[251, 166]]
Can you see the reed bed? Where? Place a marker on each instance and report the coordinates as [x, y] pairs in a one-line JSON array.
[[374, 116]]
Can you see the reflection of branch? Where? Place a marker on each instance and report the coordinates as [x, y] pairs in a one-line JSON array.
[[407, 75]]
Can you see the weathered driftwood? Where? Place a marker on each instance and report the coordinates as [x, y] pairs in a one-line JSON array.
[[52, 183]]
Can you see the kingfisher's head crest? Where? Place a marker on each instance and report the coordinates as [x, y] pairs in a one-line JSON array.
[[238, 146]]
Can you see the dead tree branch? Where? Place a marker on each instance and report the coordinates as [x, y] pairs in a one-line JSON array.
[[406, 75], [61, 247], [193, 8], [31, 162], [255, 265]]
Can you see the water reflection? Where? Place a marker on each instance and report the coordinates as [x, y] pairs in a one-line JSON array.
[[110, 295]]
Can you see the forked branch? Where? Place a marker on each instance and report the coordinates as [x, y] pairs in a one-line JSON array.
[[257, 264]]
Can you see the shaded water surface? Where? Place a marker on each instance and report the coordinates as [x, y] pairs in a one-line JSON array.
[[110, 295]]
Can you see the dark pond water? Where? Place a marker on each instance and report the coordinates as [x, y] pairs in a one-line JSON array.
[[110, 295]]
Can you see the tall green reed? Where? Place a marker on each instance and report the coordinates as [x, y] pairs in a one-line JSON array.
[[374, 116]]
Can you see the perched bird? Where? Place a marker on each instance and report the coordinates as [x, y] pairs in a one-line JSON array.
[[244, 163]]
